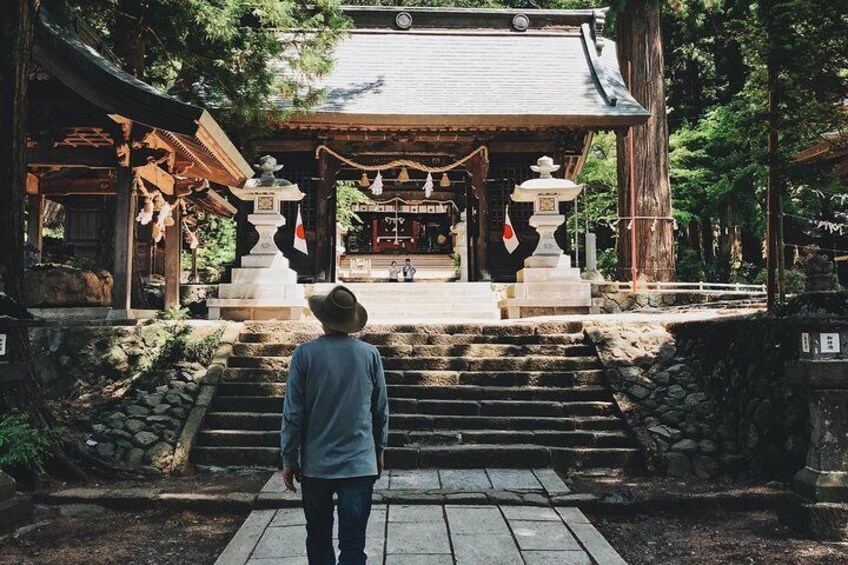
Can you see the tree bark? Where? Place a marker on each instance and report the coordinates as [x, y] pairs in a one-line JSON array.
[[640, 54], [129, 36]]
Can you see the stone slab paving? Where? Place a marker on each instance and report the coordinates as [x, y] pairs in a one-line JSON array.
[[544, 481], [436, 535]]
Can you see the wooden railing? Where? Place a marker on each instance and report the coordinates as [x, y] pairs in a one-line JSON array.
[[702, 287]]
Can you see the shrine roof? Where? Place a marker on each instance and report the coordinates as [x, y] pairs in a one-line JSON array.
[[472, 67], [190, 130]]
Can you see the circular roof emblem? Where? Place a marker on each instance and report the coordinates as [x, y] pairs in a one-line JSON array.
[[403, 20], [521, 22]]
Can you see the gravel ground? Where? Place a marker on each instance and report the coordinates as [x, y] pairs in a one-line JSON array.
[[712, 538], [125, 538]]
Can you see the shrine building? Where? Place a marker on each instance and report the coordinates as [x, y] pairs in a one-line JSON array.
[[433, 113]]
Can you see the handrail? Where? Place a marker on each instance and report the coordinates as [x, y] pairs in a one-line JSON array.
[[701, 286]]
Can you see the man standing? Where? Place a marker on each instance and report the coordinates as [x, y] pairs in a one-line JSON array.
[[335, 428], [408, 271]]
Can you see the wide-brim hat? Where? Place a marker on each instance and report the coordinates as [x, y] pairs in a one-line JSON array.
[[339, 310]]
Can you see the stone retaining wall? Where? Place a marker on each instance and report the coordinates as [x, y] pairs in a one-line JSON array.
[[709, 397], [125, 391]]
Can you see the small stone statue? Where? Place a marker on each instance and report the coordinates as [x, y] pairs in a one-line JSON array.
[[267, 167]]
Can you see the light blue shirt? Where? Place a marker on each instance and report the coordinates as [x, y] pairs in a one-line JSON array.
[[336, 412]]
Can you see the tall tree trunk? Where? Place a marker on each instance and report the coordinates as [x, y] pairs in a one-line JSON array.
[[129, 36], [640, 53]]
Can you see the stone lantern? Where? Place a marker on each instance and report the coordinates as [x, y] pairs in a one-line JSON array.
[[264, 287], [548, 284]]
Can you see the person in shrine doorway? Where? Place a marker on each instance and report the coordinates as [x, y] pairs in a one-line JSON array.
[[394, 272], [408, 271]]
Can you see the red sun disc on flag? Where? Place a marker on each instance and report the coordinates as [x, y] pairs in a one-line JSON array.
[[508, 233], [299, 232]]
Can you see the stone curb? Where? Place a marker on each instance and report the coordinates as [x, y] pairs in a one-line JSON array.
[[148, 498], [208, 387]]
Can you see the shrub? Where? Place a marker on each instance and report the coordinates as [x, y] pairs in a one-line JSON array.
[[23, 446]]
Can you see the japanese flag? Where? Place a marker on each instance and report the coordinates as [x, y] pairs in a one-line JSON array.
[[300, 234], [509, 238]]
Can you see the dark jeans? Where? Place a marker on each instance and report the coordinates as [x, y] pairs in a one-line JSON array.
[[354, 503]]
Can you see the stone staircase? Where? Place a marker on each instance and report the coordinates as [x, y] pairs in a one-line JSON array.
[[461, 396], [431, 301], [429, 267]]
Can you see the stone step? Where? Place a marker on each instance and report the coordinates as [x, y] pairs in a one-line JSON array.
[[527, 363], [505, 408], [498, 329], [549, 438], [402, 339], [401, 406], [466, 392], [473, 364], [435, 392], [400, 438], [239, 438], [516, 456], [552, 379], [422, 422], [465, 456], [469, 350]]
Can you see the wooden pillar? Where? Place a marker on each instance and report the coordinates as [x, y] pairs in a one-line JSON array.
[[35, 223], [124, 226], [325, 219], [478, 168], [173, 267]]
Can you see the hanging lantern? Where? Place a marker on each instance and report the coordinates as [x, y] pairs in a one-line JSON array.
[[445, 182], [428, 186], [404, 175], [364, 182], [377, 185]]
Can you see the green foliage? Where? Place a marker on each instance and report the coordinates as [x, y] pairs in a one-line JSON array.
[[23, 446], [217, 248], [348, 194], [216, 53], [601, 182], [176, 312], [182, 345], [608, 263]]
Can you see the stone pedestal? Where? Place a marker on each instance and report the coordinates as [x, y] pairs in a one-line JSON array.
[[548, 284], [820, 508], [264, 287]]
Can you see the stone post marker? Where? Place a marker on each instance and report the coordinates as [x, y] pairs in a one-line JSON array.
[[547, 284], [341, 231], [460, 230], [591, 273], [265, 287], [820, 507]]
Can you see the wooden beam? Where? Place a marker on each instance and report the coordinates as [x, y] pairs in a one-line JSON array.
[[173, 268], [155, 175], [86, 157], [78, 187], [325, 219], [478, 168], [124, 227], [35, 223]]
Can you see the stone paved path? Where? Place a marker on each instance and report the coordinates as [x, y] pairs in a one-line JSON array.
[[544, 481], [436, 535]]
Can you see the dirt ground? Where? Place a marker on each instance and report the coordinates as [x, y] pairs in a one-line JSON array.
[[126, 538], [712, 538]]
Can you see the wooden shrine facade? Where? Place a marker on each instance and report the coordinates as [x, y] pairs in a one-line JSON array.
[[113, 150], [433, 86]]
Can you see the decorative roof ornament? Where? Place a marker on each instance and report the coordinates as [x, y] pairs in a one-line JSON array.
[[403, 20], [521, 22]]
